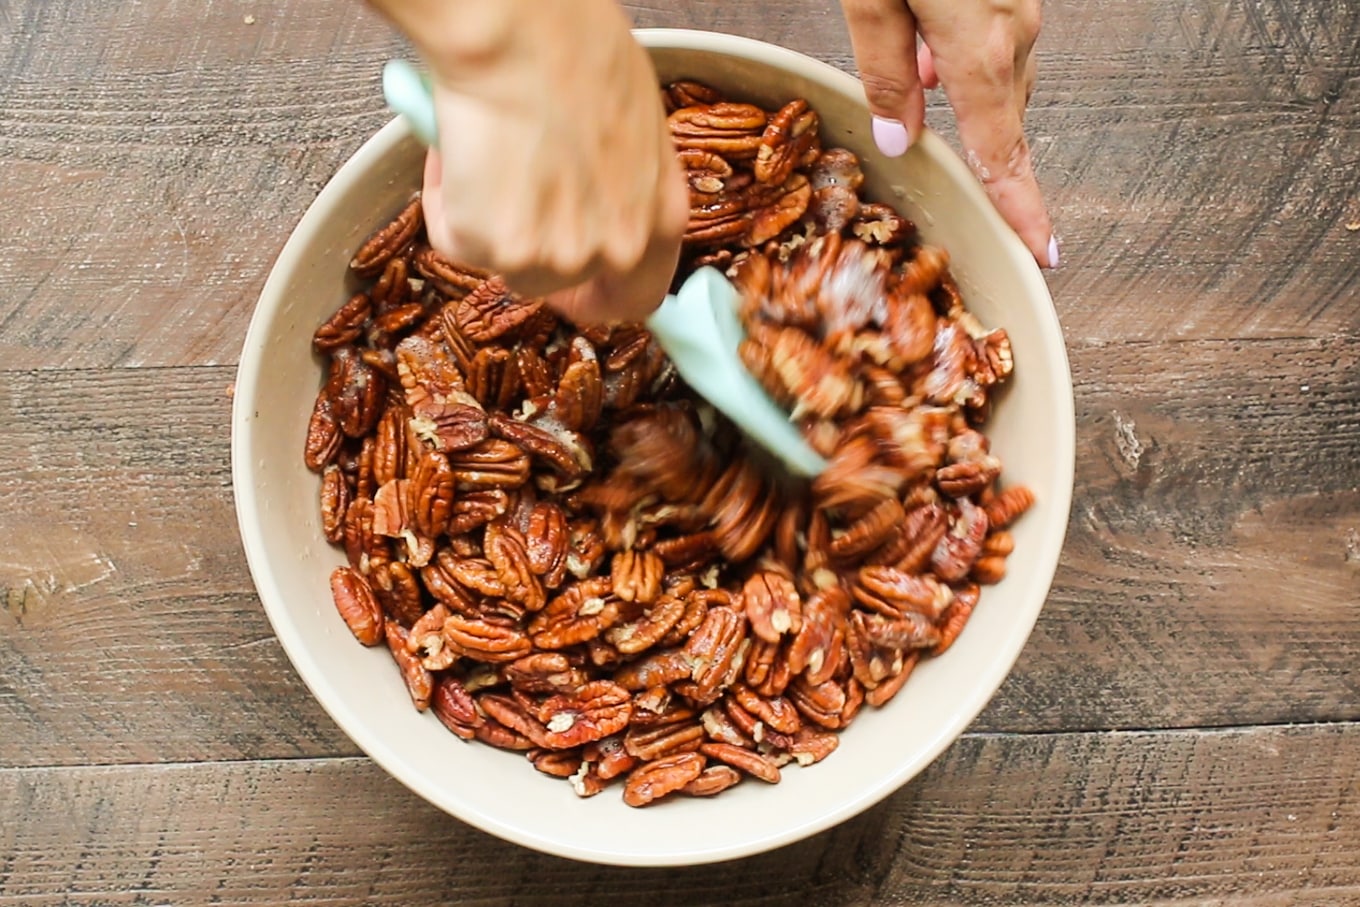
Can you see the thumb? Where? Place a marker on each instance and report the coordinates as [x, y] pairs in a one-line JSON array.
[[884, 39]]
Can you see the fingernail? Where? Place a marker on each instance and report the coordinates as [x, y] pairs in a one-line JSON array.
[[1053, 251], [891, 137]]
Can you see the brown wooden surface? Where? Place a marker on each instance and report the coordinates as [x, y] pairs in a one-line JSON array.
[[1183, 727]]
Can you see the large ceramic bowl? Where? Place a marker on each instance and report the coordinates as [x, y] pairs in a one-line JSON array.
[[276, 498]]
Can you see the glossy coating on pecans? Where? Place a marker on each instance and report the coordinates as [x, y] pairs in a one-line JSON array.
[[571, 556]]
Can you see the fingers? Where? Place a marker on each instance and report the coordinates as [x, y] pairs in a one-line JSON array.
[[925, 65], [884, 38], [632, 294], [988, 87]]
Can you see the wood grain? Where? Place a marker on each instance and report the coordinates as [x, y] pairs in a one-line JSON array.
[[1210, 574], [1183, 726], [1056, 819], [161, 175]]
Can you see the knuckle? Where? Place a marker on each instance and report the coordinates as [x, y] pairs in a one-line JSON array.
[[886, 92]]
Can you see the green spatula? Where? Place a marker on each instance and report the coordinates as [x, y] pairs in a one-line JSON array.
[[697, 327]]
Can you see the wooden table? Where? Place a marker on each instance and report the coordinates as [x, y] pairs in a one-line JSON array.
[[1182, 727]]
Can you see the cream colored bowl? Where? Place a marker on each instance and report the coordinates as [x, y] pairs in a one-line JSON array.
[[500, 792]]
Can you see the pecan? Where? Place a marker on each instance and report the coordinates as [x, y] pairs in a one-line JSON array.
[[580, 392], [887, 689], [357, 392], [775, 215], [1008, 505], [345, 326], [597, 710], [429, 494], [492, 732], [646, 631], [796, 370], [357, 606], [961, 546], [323, 435], [712, 780], [419, 681], [881, 225], [485, 640], [817, 647], [786, 140], [809, 746], [951, 624], [428, 372], [720, 727], [448, 277], [685, 735], [546, 543], [492, 311], [397, 590], [544, 672], [636, 576], [688, 93], [910, 631], [493, 377], [389, 509], [472, 509], [513, 713], [492, 464], [393, 289], [716, 652], [895, 593], [909, 327], [869, 532], [654, 669], [773, 605], [427, 640], [581, 612], [744, 510], [535, 377], [653, 780], [555, 763], [566, 451], [911, 547], [767, 668], [362, 547], [748, 761], [335, 500], [820, 703], [453, 706], [705, 170], [389, 454], [472, 573], [988, 570], [388, 242], [730, 129], [775, 712], [505, 548], [609, 757]]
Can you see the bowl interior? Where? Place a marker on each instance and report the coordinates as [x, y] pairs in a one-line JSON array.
[[499, 792]]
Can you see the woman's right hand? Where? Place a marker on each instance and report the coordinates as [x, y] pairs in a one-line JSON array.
[[555, 167]]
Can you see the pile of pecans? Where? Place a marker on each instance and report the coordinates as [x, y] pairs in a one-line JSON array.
[[568, 554]]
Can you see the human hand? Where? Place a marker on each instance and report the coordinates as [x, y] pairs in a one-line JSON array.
[[981, 51], [555, 167]]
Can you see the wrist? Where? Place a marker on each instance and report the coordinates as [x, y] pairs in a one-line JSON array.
[[461, 39]]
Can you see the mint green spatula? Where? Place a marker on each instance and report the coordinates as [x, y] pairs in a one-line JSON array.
[[697, 327]]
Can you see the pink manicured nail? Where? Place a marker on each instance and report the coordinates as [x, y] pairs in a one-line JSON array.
[[891, 137], [1053, 251]]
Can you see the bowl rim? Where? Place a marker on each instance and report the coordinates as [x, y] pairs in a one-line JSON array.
[[250, 370]]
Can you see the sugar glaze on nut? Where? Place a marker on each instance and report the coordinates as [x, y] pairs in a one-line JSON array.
[[570, 555]]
